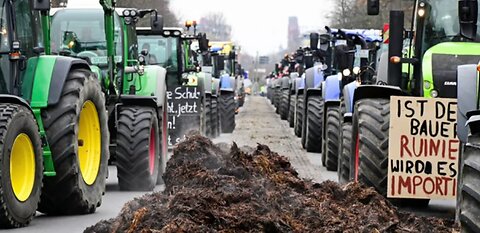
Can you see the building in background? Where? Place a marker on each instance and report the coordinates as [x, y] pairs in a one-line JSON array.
[[293, 33]]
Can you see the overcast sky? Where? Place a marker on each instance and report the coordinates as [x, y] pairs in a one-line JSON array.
[[259, 25]]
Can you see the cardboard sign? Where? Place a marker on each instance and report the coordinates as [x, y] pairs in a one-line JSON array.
[[183, 112], [423, 153]]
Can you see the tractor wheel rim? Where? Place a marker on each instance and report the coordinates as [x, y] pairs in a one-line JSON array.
[[152, 151], [89, 143], [22, 167]]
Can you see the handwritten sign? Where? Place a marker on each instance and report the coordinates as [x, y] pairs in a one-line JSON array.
[[423, 151], [183, 112]]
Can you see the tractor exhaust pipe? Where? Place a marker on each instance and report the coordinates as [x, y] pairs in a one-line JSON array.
[[395, 47]]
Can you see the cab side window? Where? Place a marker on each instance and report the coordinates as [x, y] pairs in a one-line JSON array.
[[25, 21]]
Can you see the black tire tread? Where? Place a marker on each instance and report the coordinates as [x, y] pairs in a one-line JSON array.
[[345, 153], [65, 193], [313, 136], [227, 112], [284, 104], [373, 125], [133, 136], [299, 116], [470, 187], [332, 127], [7, 219]]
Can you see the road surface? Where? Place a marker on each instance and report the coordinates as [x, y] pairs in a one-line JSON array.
[[256, 123]]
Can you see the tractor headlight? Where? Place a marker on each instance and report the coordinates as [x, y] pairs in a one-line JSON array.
[[133, 13], [356, 70], [434, 93], [346, 72], [126, 13]]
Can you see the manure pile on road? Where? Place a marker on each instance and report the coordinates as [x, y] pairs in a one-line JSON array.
[[214, 188]]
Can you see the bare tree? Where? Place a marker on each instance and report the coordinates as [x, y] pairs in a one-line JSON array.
[[162, 6], [353, 14], [216, 27]]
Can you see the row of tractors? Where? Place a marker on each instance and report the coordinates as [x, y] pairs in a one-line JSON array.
[[336, 94], [83, 87]]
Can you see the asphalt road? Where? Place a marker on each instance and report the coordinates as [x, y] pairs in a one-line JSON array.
[[256, 123], [112, 202]]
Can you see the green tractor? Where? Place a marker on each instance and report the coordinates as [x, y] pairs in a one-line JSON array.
[[187, 98], [53, 123], [439, 44], [135, 93]]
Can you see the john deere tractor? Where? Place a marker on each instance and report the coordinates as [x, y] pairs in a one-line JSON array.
[[135, 92], [443, 39], [53, 123]]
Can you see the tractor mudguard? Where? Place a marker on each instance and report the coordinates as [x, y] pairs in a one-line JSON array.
[[300, 84], [473, 123], [467, 83], [138, 100], [50, 75], [285, 83], [151, 86], [348, 93], [215, 87], [294, 83], [376, 92], [331, 89], [313, 91], [227, 83], [314, 77], [13, 99], [207, 83]]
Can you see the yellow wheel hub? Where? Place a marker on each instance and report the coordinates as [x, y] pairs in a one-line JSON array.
[[89, 142], [22, 167]]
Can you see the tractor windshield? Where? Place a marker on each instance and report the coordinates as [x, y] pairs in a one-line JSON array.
[[161, 51], [81, 33], [442, 24]]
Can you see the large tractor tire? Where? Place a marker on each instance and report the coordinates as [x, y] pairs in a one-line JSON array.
[[227, 112], [78, 135], [371, 122], [470, 186], [291, 112], [312, 136], [284, 103], [277, 100], [345, 153], [21, 166], [298, 128], [163, 156], [331, 141], [138, 152], [215, 117], [208, 115]]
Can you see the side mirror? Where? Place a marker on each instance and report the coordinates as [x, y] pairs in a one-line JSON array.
[[41, 5], [156, 23], [314, 37], [373, 7], [468, 15]]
